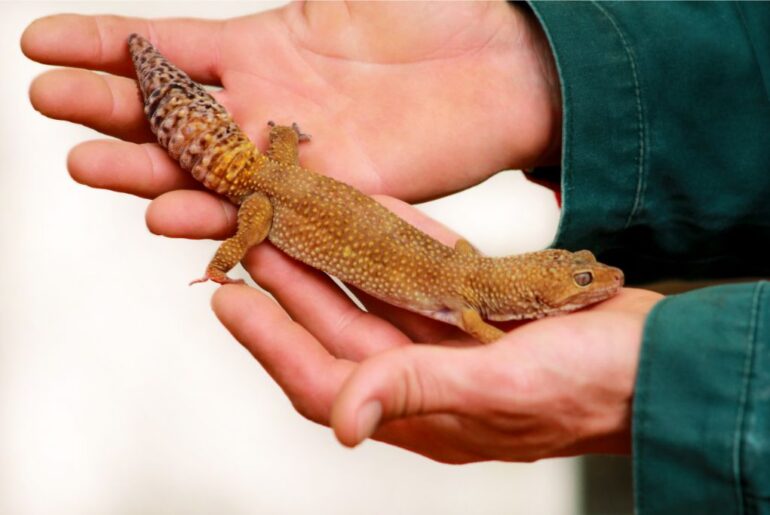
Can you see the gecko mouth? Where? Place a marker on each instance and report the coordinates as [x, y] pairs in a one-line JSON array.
[[592, 297], [576, 303], [571, 305]]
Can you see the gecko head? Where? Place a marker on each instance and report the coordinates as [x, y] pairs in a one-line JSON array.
[[554, 281], [579, 280]]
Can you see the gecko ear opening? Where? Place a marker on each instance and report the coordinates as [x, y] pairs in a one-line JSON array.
[[583, 279]]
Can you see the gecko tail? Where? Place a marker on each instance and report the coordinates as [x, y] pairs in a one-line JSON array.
[[158, 79], [196, 130]]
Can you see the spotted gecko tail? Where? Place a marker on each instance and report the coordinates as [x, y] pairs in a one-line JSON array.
[[188, 122]]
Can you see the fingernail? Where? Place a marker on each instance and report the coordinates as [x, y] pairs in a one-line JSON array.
[[368, 418]]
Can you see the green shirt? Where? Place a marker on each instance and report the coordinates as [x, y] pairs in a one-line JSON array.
[[666, 173]]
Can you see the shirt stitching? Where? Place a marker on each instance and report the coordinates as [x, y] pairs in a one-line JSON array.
[[750, 39], [741, 415], [567, 178], [641, 185], [639, 402]]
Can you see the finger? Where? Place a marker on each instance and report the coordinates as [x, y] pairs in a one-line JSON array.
[[191, 214], [308, 374], [99, 43], [105, 103], [145, 170], [109, 104], [441, 437], [413, 380], [313, 300]]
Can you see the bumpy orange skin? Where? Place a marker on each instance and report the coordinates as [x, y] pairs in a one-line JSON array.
[[333, 227], [194, 128]]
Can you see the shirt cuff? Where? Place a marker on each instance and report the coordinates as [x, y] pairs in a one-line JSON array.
[[701, 412], [665, 147], [601, 99]]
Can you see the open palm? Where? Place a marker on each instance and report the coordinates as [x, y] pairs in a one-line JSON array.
[[412, 100]]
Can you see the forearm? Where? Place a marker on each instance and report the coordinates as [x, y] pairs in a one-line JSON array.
[[701, 416], [665, 164]]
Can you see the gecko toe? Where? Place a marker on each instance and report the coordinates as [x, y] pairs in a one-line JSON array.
[[302, 136], [219, 278]]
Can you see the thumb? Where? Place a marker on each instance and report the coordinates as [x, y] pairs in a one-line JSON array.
[[406, 381]]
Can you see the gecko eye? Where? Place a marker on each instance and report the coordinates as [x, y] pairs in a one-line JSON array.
[[583, 279]]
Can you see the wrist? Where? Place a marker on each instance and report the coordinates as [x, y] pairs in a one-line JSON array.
[[544, 85], [541, 48], [610, 431]]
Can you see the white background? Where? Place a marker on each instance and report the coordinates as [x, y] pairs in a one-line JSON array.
[[120, 392]]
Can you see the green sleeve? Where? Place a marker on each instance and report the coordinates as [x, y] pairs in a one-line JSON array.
[[666, 173], [701, 426], [666, 134]]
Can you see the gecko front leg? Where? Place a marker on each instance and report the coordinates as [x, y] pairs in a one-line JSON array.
[[254, 219], [472, 323], [284, 143]]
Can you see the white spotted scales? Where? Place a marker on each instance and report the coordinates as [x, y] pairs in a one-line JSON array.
[[335, 228]]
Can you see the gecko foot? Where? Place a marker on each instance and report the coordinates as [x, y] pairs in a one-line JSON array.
[[302, 136], [217, 277]]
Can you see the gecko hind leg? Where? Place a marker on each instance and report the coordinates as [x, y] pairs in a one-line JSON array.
[[255, 217], [284, 143]]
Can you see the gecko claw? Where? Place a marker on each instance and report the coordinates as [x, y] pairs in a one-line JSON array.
[[302, 136], [217, 278]]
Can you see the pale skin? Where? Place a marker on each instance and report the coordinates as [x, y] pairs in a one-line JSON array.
[[554, 387]]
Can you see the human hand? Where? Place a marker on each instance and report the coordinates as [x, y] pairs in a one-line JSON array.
[[107, 104], [413, 100], [553, 387]]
